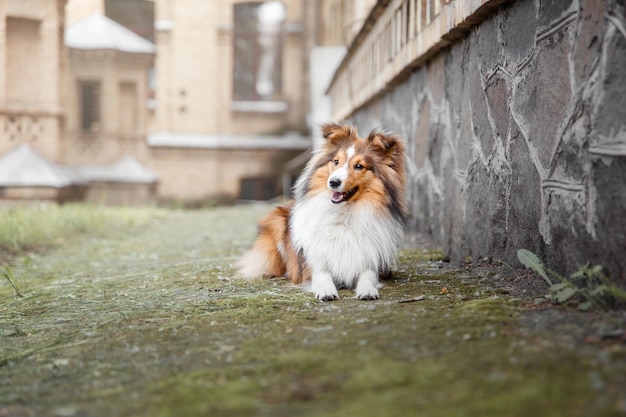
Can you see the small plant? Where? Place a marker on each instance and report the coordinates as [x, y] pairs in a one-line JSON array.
[[589, 286], [10, 276]]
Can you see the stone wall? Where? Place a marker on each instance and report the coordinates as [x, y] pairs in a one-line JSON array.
[[516, 136]]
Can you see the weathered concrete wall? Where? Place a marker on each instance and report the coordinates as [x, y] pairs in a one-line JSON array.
[[517, 136]]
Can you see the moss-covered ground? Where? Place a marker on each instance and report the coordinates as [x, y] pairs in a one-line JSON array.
[[148, 320]]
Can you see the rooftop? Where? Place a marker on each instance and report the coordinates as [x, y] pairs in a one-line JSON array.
[[24, 167], [100, 32], [127, 169]]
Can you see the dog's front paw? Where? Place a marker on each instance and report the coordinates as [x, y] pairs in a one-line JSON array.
[[325, 290], [366, 290], [367, 294], [328, 294], [323, 286]]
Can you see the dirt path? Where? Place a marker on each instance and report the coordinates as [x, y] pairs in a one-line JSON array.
[[150, 322]]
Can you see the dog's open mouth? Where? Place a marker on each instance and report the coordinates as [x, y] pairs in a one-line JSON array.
[[341, 197]]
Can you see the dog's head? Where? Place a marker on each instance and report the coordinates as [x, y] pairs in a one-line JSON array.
[[350, 168]]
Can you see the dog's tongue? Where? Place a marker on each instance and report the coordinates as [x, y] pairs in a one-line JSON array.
[[337, 197]]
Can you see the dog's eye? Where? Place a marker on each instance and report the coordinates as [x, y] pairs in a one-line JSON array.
[[336, 162], [358, 167]]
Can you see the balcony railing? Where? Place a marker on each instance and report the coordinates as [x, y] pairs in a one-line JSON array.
[[397, 37]]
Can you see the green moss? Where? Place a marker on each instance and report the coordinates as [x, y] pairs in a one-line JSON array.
[[151, 321]]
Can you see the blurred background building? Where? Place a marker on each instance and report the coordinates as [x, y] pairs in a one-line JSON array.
[[209, 98], [32, 66], [232, 96]]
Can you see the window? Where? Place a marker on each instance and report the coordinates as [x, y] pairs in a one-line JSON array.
[[257, 48], [90, 106]]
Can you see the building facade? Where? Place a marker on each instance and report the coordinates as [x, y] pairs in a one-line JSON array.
[[106, 92], [216, 113], [31, 100], [231, 67], [231, 95], [73, 116]]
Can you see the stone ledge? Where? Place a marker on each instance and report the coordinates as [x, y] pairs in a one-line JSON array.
[[290, 141]]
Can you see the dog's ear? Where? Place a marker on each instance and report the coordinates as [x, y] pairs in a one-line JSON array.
[[334, 132], [383, 143]]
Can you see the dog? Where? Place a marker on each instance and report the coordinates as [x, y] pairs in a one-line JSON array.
[[343, 225]]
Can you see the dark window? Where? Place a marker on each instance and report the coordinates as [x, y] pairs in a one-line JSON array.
[[258, 50], [89, 105], [259, 189]]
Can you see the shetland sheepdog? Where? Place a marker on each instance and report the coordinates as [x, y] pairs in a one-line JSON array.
[[344, 223]]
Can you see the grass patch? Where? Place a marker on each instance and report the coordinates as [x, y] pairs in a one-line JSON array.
[[34, 227], [10, 276]]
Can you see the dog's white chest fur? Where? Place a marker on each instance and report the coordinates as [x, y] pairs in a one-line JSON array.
[[344, 239]]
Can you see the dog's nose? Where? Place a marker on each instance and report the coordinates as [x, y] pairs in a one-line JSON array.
[[334, 183]]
